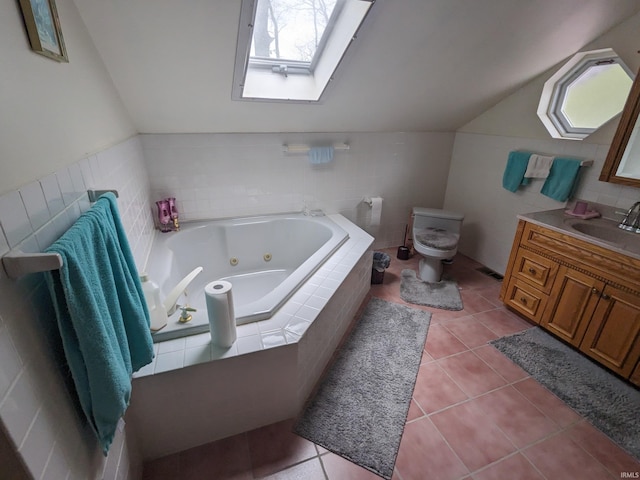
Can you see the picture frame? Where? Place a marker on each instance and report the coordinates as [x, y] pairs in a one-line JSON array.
[[43, 27]]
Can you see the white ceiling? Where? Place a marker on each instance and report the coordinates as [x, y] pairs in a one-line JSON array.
[[417, 65]]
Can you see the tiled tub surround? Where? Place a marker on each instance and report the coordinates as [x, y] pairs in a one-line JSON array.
[[265, 258], [195, 392], [232, 175], [36, 408]]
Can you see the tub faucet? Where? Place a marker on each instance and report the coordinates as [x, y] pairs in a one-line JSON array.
[[626, 222], [171, 302]]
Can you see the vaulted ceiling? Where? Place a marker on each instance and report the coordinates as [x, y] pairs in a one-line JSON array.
[[417, 65]]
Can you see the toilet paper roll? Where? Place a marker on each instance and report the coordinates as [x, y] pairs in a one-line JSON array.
[[222, 319], [376, 211]]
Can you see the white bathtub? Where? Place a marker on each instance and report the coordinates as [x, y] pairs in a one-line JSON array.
[[269, 371], [266, 259]]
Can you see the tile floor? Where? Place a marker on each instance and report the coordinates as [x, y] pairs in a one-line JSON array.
[[474, 413]]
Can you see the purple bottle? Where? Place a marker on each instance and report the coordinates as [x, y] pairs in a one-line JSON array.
[[173, 213], [164, 215]]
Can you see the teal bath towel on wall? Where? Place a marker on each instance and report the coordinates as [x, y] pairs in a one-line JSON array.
[[513, 175], [562, 179], [102, 314]]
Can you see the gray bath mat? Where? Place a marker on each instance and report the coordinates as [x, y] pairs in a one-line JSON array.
[[360, 408], [607, 402], [444, 294]]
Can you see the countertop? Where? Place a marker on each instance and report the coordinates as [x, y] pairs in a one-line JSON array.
[[626, 243]]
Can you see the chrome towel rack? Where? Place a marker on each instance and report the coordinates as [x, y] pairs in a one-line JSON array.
[[305, 148], [18, 263]]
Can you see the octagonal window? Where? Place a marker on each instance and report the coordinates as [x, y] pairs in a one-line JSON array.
[[588, 91]]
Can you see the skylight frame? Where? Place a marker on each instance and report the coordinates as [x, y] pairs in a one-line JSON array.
[[307, 85], [555, 90]]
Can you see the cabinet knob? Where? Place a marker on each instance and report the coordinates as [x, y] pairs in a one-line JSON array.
[[532, 271], [595, 291], [605, 296], [523, 300]]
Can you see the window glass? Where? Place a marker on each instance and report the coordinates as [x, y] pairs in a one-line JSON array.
[[596, 95], [290, 30]]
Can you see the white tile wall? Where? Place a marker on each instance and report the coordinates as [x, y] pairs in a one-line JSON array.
[[228, 175], [36, 408], [475, 188]]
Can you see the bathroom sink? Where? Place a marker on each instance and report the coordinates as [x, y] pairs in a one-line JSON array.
[[607, 231]]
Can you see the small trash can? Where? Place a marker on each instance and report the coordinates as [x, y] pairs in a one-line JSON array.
[[381, 261]]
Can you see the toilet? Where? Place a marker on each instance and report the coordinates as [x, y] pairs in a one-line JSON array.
[[435, 237]]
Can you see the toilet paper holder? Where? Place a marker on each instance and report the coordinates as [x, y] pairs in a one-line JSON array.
[[368, 201]]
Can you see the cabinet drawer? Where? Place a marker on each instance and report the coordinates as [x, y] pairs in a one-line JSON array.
[[535, 270], [526, 299]]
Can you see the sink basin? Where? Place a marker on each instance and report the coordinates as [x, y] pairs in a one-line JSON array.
[[607, 231]]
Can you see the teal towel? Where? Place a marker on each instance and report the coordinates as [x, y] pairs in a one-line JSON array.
[[513, 175], [102, 314], [562, 179]]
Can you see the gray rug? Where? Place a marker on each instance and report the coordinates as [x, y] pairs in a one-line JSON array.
[[610, 404], [444, 294], [361, 405]]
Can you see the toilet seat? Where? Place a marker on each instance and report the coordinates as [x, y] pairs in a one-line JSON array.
[[436, 238]]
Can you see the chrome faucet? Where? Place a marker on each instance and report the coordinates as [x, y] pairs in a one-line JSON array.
[[627, 224]]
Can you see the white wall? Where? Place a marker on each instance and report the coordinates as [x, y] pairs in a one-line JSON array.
[[58, 121], [53, 113], [480, 154], [227, 175]]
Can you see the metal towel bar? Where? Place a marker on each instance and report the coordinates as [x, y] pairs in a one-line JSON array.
[[306, 148], [17, 263]]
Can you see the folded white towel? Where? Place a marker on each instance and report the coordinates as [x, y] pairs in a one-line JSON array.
[[538, 166]]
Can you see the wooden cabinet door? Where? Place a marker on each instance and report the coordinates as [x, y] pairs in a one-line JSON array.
[[573, 299], [613, 335]]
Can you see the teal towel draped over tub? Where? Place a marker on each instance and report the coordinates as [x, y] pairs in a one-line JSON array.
[[513, 175], [562, 179], [102, 314]]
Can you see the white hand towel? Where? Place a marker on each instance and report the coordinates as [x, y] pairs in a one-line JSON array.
[[538, 166]]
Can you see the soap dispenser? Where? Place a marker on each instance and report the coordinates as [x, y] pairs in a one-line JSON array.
[[157, 312]]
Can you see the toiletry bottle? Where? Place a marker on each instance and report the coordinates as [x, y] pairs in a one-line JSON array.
[[156, 309]]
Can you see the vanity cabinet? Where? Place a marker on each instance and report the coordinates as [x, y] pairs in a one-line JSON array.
[[573, 300], [613, 332], [587, 295]]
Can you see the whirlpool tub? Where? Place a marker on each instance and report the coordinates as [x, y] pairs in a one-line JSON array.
[[266, 259]]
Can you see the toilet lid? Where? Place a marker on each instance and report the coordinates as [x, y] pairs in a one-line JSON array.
[[437, 238]]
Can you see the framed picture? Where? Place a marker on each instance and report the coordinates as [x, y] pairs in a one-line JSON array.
[[43, 28]]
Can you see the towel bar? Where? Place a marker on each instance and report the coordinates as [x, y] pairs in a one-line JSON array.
[[306, 148], [17, 263], [95, 194]]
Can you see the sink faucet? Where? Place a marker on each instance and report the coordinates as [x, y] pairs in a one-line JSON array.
[[626, 223], [171, 301]]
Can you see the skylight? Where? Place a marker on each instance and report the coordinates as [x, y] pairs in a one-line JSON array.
[[288, 50], [290, 31], [588, 91]]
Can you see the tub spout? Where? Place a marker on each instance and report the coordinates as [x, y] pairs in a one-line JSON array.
[[170, 303]]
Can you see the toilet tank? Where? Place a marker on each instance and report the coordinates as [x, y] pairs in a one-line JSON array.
[[436, 218]]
